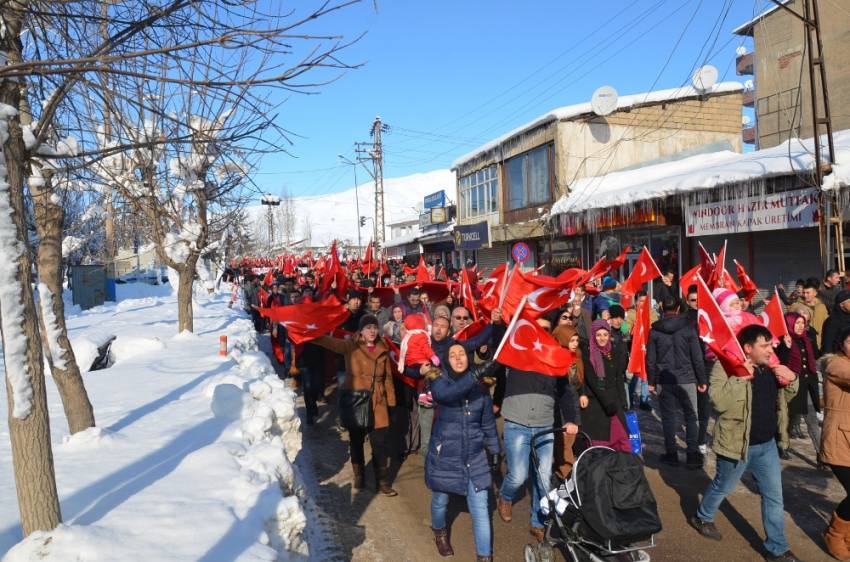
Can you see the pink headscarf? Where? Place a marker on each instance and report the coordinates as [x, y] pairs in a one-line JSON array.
[[595, 350]]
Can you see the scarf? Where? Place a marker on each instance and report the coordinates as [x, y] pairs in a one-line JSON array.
[[564, 334], [595, 350], [801, 344]]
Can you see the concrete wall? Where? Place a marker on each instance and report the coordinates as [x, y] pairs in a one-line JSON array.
[[780, 46], [600, 145]]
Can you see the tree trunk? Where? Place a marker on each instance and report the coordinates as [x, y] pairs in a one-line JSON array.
[[49, 218], [185, 319], [29, 425]]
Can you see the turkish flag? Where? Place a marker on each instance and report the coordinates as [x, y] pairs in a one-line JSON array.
[[437, 290], [422, 273], [747, 284], [774, 318], [308, 321], [386, 294], [528, 347], [493, 288], [331, 271], [466, 297], [689, 278], [263, 297], [441, 275], [618, 262], [471, 330], [640, 337], [645, 270], [706, 263], [715, 331], [516, 290], [269, 278], [719, 273]]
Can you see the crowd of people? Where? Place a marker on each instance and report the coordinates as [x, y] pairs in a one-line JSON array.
[[444, 404]]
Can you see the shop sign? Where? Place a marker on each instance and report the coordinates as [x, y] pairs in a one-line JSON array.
[[435, 200], [775, 211], [471, 236], [439, 215]]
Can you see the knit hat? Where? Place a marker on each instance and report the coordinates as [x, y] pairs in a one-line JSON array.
[[367, 320], [608, 282], [724, 298]]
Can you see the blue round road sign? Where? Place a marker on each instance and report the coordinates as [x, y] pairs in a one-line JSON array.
[[520, 252]]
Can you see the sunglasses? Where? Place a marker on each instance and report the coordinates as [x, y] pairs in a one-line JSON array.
[[462, 318]]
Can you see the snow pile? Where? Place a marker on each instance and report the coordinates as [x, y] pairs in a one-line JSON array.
[[193, 458]]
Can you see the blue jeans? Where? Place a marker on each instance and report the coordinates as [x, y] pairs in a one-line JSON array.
[[518, 453], [763, 462], [644, 390], [478, 509]]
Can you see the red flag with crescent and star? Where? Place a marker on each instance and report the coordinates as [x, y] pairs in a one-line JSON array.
[[528, 347], [644, 271], [715, 331], [308, 321], [640, 337], [773, 318]]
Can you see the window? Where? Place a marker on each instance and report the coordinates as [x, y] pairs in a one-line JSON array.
[[479, 192], [529, 178]]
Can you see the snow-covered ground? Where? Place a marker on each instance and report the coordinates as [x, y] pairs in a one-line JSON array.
[[193, 457]]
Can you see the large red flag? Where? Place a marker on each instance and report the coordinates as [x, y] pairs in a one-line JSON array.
[[398, 373], [645, 270], [471, 330], [747, 284], [493, 288], [422, 273], [716, 332], [718, 274], [774, 318], [331, 271], [706, 263], [308, 321], [269, 278], [528, 347], [618, 262], [640, 337]]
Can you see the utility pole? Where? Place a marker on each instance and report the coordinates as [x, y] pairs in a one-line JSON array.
[[829, 208], [375, 154], [270, 202]]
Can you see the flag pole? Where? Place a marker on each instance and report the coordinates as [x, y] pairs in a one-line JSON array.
[[510, 327]]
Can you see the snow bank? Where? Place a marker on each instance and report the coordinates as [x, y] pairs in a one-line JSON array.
[[194, 459]]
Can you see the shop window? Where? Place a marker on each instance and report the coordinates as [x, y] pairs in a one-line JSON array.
[[479, 193], [529, 178]]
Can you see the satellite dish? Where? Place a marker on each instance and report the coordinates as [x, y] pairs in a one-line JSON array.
[[704, 78], [604, 101]]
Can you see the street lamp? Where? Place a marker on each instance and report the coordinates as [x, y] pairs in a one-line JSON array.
[[345, 160], [270, 201]]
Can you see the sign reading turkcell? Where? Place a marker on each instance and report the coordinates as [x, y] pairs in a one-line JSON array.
[[472, 236], [435, 199]]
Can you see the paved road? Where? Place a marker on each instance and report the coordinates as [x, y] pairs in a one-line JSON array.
[[364, 526]]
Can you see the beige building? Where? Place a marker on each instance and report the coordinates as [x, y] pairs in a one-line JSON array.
[[511, 182], [779, 62]]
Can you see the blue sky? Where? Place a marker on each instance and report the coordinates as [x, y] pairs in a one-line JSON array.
[[447, 76]]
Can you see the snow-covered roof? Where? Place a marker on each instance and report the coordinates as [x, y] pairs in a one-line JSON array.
[[706, 171], [579, 109], [746, 28]]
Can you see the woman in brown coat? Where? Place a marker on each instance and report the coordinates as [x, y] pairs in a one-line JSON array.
[[835, 444], [367, 359]]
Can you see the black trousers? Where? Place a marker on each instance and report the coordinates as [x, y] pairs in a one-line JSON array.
[[378, 441], [843, 475], [703, 413]]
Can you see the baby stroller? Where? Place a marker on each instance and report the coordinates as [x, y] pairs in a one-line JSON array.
[[603, 512]]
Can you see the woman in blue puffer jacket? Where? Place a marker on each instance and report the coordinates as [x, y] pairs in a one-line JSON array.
[[464, 433]]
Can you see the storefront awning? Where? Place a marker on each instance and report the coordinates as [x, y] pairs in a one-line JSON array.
[[638, 189]]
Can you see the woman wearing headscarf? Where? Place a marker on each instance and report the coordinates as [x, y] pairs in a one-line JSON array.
[[368, 367], [796, 352], [464, 434], [605, 369], [393, 328], [834, 451], [567, 336]]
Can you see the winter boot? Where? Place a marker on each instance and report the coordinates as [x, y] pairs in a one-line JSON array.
[[505, 509], [837, 536], [796, 431], [359, 480], [694, 461], [441, 538], [539, 533], [382, 482]]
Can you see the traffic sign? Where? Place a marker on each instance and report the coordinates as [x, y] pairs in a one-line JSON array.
[[521, 252]]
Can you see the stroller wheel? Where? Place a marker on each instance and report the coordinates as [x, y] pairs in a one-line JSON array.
[[540, 553], [530, 553]]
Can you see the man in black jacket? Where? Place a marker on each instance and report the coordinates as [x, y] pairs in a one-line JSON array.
[[674, 364]]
